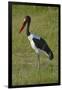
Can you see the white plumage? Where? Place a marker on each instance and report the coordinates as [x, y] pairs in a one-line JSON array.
[[37, 43], [30, 38]]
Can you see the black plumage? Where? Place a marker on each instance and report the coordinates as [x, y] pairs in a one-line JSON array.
[[35, 41], [42, 45]]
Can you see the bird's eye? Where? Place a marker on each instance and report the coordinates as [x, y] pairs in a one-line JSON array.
[[24, 19]]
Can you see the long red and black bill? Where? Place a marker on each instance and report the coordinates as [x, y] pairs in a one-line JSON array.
[[23, 25]]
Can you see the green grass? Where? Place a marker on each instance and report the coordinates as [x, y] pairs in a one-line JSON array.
[[45, 24]]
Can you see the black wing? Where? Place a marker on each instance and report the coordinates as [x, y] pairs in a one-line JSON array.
[[42, 45], [39, 43]]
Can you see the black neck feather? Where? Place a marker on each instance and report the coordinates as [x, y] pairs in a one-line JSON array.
[[27, 30]]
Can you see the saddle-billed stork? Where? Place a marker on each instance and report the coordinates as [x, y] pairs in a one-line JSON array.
[[37, 43]]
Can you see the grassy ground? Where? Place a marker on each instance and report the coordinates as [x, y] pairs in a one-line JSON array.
[[45, 24]]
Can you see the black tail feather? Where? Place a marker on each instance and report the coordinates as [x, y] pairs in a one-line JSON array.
[[51, 55], [48, 51]]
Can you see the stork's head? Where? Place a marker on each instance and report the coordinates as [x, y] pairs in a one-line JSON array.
[[27, 19]]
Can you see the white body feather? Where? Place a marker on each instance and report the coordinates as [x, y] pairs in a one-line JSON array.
[[30, 38], [37, 50]]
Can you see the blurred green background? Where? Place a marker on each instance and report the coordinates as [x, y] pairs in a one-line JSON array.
[[44, 22]]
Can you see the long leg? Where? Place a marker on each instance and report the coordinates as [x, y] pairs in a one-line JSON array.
[[38, 60]]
